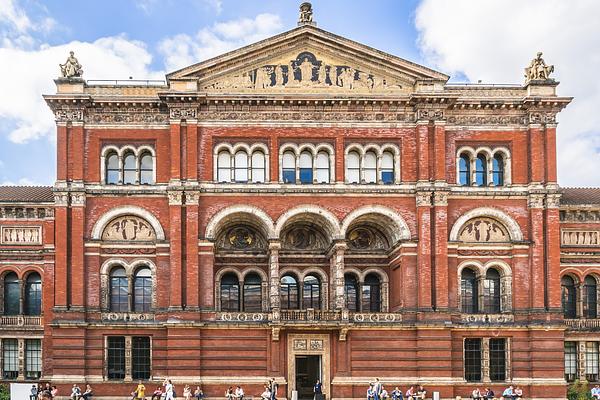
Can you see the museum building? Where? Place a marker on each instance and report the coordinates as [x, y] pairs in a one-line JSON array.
[[302, 208]]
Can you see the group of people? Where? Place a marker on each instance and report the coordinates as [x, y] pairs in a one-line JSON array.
[[377, 391], [78, 394], [270, 392], [510, 393], [167, 392], [43, 392]]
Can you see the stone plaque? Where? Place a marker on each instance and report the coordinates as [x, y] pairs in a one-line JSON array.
[[21, 235]]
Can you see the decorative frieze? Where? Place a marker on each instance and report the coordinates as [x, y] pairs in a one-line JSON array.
[[587, 216], [109, 114], [241, 317], [127, 317], [26, 212], [183, 112], [21, 235], [376, 317], [541, 117], [308, 115], [487, 119], [430, 114], [487, 318], [69, 115], [128, 228], [579, 237]]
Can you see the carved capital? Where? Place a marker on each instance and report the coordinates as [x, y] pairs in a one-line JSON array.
[[535, 201], [440, 198], [183, 112], [274, 246], [175, 198], [192, 198], [69, 115], [553, 200], [423, 199], [61, 199], [541, 117], [78, 199], [430, 115]]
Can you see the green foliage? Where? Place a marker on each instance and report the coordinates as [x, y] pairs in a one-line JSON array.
[[579, 390], [4, 392]]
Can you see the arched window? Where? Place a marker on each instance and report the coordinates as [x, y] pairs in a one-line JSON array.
[[351, 288], [491, 292], [371, 294], [569, 297], [370, 167], [322, 167], [33, 294], [311, 292], [241, 166], [387, 168], [252, 293], [464, 170], [468, 292], [112, 169], [146, 169], [289, 293], [306, 167], [142, 290], [481, 170], [498, 170], [230, 292], [12, 294], [258, 166], [129, 169], [288, 167], [119, 290], [590, 297], [353, 167], [224, 167]]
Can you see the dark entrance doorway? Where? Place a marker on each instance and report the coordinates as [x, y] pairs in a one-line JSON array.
[[308, 370]]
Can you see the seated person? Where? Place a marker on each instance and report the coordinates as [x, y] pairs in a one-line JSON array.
[[239, 393], [397, 394], [384, 394], [476, 394], [157, 394], [198, 393], [266, 395], [410, 393], [370, 392], [518, 393], [596, 392], [87, 395], [488, 394], [509, 393], [421, 392], [75, 392]]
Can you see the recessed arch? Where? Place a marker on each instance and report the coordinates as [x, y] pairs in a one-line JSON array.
[[385, 218], [309, 213], [240, 213], [509, 223], [127, 210]]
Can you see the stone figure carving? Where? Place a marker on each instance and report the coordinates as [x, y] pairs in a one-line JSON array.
[[538, 70], [291, 72], [129, 228], [21, 235], [322, 77], [306, 14], [279, 75], [483, 230], [580, 238], [263, 77], [306, 71], [71, 68], [346, 78]]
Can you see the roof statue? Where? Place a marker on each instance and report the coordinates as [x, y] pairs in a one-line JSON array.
[[71, 68], [538, 70], [306, 14]]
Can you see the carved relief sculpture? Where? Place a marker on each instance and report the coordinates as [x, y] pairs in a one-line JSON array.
[[21, 235], [483, 230], [538, 70], [71, 68], [306, 14], [129, 228], [579, 238]]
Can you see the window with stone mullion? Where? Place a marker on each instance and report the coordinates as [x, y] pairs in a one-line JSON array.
[[115, 357], [571, 361], [472, 359], [591, 361], [33, 358], [497, 359], [140, 357], [10, 358]]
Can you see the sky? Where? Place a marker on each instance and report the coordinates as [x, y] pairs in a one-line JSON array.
[[470, 40]]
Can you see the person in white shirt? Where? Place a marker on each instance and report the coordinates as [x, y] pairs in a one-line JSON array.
[[476, 394], [168, 389], [596, 392], [239, 392], [266, 395]]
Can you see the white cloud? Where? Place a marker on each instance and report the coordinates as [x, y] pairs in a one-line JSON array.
[[494, 40], [21, 182], [182, 50]]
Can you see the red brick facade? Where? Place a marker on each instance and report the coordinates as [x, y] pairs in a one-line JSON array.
[[429, 227]]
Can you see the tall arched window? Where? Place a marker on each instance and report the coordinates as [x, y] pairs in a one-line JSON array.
[[252, 293], [468, 292], [224, 167], [464, 170], [311, 292], [498, 170], [258, 166], [590, 297], [289, 293], [353, 167], [288, 167], [230, 292], [481, 170], [129, 169], [146, 169], [370, 167], [306, 167], [371, 294], [12, 294], [112, 169], [351, 288], [569, 297], [491, 292], [142, 290], [322, 167], [33, 294], [387, 168], [119, 290], [241, 167]]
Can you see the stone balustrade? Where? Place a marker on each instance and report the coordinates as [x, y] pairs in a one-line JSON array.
[[583, 324], [20, 321]]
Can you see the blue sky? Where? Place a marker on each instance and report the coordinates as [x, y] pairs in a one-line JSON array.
[[469, 39]]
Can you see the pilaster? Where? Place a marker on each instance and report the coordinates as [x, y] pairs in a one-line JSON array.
[[61, 275], [192, 279], [338, 275], [77, 263], [274, 298], [537, 235], [424, 287], [175, 239], [440, 249]]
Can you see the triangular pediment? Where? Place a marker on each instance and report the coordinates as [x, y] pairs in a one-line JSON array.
[[307, 60]]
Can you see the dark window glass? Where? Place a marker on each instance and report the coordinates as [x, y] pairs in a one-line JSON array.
[[570, 361], [371, 294], [146, 169], [590, 298], [464, 170], [311, 293], [119, 290], [497, 359], [11, 294], [252, 293], [481, 170], [473, 360], [112, 169], [498, 170], [569, 297], [33, 358], [140, 357], [491, 292], [306, 167], [288, 167], [115, 357], [351, 292], [142, 290], [591, 361], [468, 292], [33, 294], [230, 293], [10, 358], [129, 169], [387, 168], [289, 293]]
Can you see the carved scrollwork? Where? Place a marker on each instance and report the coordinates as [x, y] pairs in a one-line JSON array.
[[483, 230], [430, 115], [129, 228], [183, 112]]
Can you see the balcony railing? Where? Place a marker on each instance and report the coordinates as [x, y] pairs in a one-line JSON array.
[[309, 315], [20, 321], [487, 318], [583, 324]]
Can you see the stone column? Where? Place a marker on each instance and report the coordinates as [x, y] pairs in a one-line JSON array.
[[274, 299], [337, 272], [128, 369], [21, 355], [581, 360], [485, 359]]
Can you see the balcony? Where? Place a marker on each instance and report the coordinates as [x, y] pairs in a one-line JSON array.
[[20, 321], [583, 324], [310, 316]]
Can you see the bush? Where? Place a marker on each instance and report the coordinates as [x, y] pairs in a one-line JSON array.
[[4, 392], [579, 391]]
